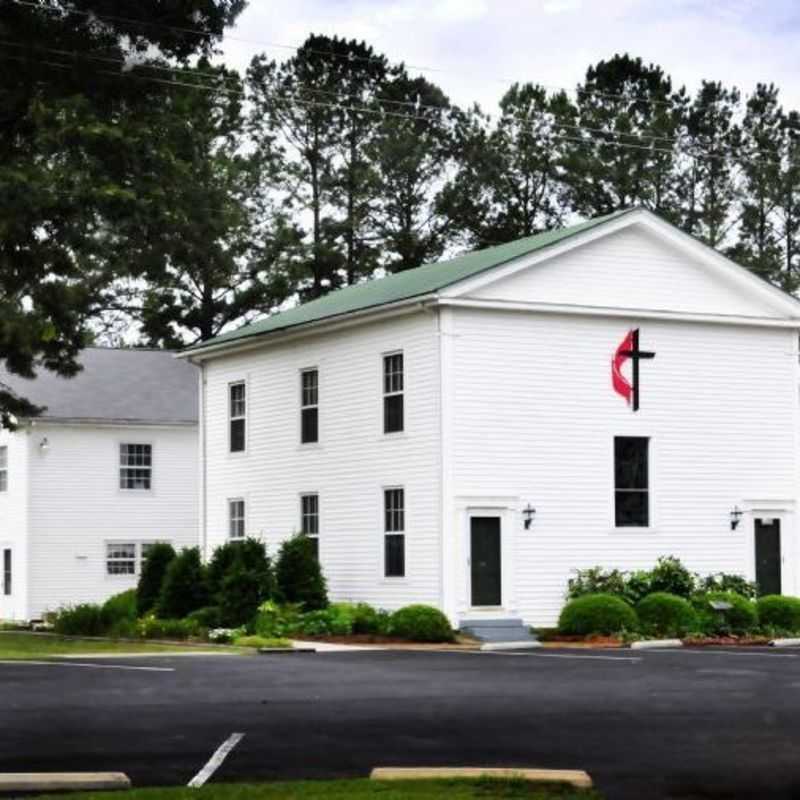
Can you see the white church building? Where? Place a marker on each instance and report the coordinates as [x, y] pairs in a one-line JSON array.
[[468, 433], [109, 467]]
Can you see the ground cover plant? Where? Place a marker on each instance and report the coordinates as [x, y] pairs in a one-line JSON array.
[[481, 788]]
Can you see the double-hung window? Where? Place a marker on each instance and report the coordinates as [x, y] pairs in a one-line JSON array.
[[393, 393], [238, 414], [394, 539], [121, 558], [236, 519], [7, 571], [3, 469], [309, 406], [631, 482], [135, 466], [309, 519]]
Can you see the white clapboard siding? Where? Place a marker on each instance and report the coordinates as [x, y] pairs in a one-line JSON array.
[[534, 416], [76, 506], [14, 525], [632, 268], [349, 467]]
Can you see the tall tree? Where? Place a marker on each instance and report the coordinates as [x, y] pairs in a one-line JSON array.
[[787, 203], [411, 154], [508, 182], [625, 149], [73, 73], [707, 182]]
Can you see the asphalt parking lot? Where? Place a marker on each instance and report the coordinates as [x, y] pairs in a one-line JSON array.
[[653, 724]]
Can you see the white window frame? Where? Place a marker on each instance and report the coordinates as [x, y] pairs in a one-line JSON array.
[[305, 406], [310, 515], [235, 519], [392, 392], [123, 468], [3, 468], [139, 546], [652, 485], [389, 529], [235, 417]]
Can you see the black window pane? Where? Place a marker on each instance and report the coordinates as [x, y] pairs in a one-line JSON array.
[[395, 555], [631, 509], [393, 413], [630, 462], [314, 546], [309, 426], [237, 435], [7, 572]]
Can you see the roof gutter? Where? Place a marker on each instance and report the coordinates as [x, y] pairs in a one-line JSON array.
[[347, 319]]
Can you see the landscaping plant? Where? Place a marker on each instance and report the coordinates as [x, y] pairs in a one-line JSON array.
[[184, 588], [298, 574], [726, 582], [85, 619], [246, 583], [421, 623], [664, 614], [597, 613], [120, 607], [154, 568], [741, 618], [780, 613]]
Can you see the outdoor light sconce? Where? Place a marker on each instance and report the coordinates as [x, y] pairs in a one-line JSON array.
[[528, 513], [44, 445], [736, 517]]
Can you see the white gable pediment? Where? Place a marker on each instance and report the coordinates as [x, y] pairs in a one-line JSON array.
[[641, 264]]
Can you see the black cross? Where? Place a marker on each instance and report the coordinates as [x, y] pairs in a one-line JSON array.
[[635, 353]]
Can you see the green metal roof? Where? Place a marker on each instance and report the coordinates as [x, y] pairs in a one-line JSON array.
[[405, 285]]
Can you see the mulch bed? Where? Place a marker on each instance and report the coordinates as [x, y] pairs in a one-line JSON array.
[[728, 641], [555, 640]]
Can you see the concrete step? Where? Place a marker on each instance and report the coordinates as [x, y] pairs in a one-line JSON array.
[[497, 630]]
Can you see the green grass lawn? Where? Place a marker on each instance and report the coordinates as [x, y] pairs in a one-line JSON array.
[[480, 789], [21, 645]]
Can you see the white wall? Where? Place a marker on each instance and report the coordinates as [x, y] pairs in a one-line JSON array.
[[13, 524], [76, 506], [534, 417], [352, 462]]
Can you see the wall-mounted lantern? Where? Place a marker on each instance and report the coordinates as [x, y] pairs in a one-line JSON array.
[[736, 517], [528, 513]]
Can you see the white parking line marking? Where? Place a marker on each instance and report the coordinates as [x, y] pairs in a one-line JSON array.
[[544, 655], [220, 754], [710, 652], [89, 666]]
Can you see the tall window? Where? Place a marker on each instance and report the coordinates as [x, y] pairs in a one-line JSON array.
[[394, 539], [135, 466], [309, 518], [631, 482], [7, 571], [309, 406], [236, 527], [393, 393], [238, 411], [3, 469]]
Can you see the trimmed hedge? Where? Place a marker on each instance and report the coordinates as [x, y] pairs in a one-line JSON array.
[[776, 611], [299, 576], [420, 623], [741, 618], [120, 608], [184, 588], [664, 614], [153, 570], [597, 613]]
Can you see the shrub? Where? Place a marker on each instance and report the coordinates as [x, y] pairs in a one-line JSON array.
[[670, 576], [420, 623], [120, 607], [252, 552], [597, 613], [664, 614], [124, 629], [151, 627], [260, 641], [369, 620], [596, 580], [741, 618], [184, 588], [152, 577], [299, 576], [776, 611], [274, 620], [246, 583], [725, 582], [86, 619], [206, 617], [335, 620]]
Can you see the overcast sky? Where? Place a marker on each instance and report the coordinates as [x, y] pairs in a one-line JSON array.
[[475, 48]]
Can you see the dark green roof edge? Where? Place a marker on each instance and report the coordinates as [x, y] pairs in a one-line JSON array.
[[420, 281]]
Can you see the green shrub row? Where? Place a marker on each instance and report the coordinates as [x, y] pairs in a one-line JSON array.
[[669, 576], [665, 614]]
